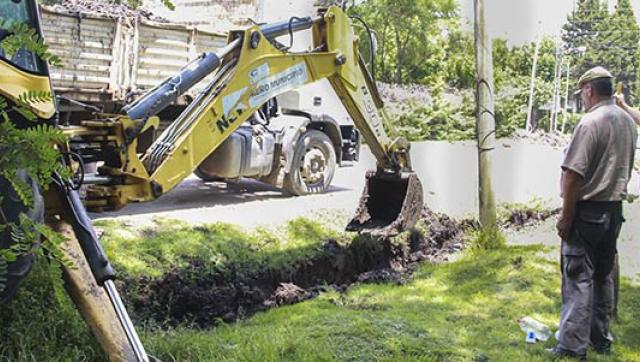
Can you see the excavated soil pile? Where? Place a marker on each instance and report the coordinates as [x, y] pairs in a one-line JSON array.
[[200, 296], [520, 218]]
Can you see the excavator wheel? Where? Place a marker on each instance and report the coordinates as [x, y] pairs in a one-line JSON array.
[[312, 166], [390, 203], [12, 207]]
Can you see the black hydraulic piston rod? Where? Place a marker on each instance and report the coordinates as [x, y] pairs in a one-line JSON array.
[[168, 91], [98, 263], [271, 31]]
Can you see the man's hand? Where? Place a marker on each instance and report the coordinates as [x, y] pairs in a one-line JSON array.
[[634, 113], [570, 188], [619, 99], [564, 226]]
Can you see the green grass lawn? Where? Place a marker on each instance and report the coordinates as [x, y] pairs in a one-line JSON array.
[[223, 247], [466, 310]]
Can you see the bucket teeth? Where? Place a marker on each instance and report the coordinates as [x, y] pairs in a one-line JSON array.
[[390, 204]]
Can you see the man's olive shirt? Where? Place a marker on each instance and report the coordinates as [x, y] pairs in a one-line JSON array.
[[602, 151]]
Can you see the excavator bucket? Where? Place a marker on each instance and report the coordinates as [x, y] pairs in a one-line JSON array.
[[390, 204]]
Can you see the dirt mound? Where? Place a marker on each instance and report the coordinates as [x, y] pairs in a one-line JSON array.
[[520, 218], [201, 297]]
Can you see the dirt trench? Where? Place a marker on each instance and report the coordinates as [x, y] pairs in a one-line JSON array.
[[199, 297]]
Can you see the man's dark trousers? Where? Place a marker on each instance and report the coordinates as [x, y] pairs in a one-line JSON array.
[[588, 276]]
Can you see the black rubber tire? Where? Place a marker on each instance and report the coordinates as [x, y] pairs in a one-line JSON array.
[[12, 207], [202, 176], [293, 181]]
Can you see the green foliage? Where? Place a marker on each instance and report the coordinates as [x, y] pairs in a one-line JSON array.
[[489, 238], [572, 121], [439, 120], [416, 39], [516, 62], [460, 64], [463, 310], [610, 40], [26, 236], [27, 149], [615, 47], [581, 30], [24, 36], [512, 103]]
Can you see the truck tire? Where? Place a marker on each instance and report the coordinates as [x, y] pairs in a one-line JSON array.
[[312, 166], [206, 178], [12, 207]]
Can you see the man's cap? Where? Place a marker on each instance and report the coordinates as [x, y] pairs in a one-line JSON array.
[[592, 74]]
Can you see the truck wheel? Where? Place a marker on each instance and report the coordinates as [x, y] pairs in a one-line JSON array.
[[206, 178], [313, 165], [12, 207]]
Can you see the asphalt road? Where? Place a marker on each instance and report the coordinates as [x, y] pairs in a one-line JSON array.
[[250, 204]]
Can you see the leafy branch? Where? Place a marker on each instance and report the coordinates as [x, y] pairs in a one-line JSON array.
[[22, 36], [29, 149]]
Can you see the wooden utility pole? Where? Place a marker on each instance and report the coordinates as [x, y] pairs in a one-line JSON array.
[[485, 119]]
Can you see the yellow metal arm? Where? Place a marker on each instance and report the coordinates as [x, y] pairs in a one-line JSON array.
[[263, 72], [252, 71]]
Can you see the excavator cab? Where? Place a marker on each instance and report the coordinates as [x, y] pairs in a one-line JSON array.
[[21, 69], [20, 12]]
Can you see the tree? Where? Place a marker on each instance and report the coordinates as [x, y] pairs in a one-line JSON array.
[[512, 68], [460, 67], [582, 27], [413, 38], [615, 46]]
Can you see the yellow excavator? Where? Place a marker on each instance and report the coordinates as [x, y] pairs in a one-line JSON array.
[[223, 133]]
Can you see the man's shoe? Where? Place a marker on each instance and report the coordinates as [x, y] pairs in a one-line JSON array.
[[604, 348], [558, 352]]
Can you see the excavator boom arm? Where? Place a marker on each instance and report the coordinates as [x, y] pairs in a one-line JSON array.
[[257, 71], [250, 70]]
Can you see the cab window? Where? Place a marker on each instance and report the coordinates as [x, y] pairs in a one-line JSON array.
[[21, 11]]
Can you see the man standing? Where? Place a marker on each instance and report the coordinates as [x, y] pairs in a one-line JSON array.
[[595, 173]]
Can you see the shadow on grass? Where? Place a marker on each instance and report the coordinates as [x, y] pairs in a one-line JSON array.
[[466, 310]]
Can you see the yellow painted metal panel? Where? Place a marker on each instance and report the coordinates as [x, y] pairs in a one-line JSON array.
[[15, 82]]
